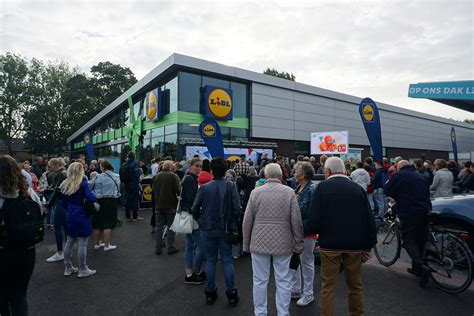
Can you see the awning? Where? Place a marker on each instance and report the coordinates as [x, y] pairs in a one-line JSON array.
[[458, 94]]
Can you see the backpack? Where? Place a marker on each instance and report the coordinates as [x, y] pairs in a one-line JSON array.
[[21, 224], [124, 174]]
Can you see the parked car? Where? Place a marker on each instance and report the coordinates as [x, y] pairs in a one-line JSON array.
[[456, 212]]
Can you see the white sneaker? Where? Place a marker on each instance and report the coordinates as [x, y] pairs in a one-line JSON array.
[[110, 248], [100, 245], [70, 271], [86, 273], [55, 257], [295, 295], [305, 300]]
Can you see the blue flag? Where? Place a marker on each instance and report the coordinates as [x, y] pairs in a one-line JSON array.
[[88, 141], [369, 114], [212, 137], [455, 146]]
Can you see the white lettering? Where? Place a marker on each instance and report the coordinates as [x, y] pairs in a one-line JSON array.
[[452, 91], [426, 90], [446, 90], [460, 90], [470, 90], [438, 90], [418, 90], [412, 90], [432, 90]]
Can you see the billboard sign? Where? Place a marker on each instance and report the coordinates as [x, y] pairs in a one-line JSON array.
[[329, 143]]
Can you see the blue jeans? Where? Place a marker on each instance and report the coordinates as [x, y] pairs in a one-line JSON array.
[[215, 247], [59, 220], [379, 199], [194, 252]]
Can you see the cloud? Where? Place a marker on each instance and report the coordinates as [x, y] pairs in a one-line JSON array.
[[364, 48]]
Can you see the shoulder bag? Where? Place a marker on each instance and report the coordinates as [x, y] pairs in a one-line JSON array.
[[183, 221]]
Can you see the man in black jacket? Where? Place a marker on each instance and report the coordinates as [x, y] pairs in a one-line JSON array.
[[193, 263], [408, 188], [340, 213]]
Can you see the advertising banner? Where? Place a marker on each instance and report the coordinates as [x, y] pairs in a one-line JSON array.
[[218, 103], [352, 156], [89, 148], [455, 146], [369, 114], [252, 154], [152, 105], [324, 143], [212, 137]]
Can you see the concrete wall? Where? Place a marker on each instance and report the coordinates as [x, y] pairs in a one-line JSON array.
[[278, 113]]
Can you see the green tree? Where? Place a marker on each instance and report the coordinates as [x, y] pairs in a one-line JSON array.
[[276, 73], [49, 121], [14, 97], [109, 81]]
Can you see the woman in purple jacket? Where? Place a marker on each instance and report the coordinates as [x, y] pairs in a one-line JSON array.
[[78, 222]]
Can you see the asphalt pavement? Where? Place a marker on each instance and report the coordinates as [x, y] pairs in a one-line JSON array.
[[132, 280]]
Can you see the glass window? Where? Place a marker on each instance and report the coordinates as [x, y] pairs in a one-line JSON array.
[[239, 98], [239, 133], [160, 131], [171, 145], [136, 109], [225, 132], [170, 129], [208, 81], [189, 92], [173, 87], [189, 128]]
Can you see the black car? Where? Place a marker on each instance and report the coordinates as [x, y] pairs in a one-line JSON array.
[[456, 212]]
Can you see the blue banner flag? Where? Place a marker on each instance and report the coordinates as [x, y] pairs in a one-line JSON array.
[[455, 146], [369, 114], [212, 137], [88, 141]]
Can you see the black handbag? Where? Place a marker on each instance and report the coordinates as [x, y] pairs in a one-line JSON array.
[[89, 207], [295, 261], [231, 235]]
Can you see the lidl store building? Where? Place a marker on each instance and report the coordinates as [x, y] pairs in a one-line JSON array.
[[160, 116]]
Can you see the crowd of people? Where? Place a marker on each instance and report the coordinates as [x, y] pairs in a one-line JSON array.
[[270, 208]]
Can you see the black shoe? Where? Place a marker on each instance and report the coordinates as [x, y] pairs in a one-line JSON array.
[[415, 272], [211, 297], [233, 298], [425, 276], [172, 250], [158, 252], [193, 279], [202, 275]]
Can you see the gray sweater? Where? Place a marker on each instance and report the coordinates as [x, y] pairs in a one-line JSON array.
[[272, 222], [442, 183]]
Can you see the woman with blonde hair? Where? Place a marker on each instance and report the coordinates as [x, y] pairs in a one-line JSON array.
[[75, 190]]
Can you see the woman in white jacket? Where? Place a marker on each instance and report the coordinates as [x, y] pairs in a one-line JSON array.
[[361, 176], [443, 180]]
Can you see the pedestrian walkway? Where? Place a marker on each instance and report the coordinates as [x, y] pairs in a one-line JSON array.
[[134, 281]]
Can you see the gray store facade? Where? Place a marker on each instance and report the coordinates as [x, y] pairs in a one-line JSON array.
[[268, 112]]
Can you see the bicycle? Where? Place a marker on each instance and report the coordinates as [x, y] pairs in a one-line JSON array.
[[446, 252]]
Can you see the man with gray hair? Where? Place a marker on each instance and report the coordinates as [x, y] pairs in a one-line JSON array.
[[341, 215], [268, 234], [165, 193]]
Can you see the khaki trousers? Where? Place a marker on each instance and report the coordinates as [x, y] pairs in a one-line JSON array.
[[330, 265]]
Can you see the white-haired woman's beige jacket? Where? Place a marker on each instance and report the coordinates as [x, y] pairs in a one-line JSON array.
[[272, 222]]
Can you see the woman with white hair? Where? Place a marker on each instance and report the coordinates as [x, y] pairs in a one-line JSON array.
[[272, 231], [75, 190]]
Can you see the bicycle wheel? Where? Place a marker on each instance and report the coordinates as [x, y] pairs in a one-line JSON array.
[[389, 244], [451, 263]]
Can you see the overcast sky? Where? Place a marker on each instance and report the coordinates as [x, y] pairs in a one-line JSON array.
[[363, 48]]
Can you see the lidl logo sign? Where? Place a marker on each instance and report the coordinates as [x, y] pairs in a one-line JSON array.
[[453, 136], [152, 103], [87, 139], [147, 192], [368, 112], [209, 130], [218, 103]]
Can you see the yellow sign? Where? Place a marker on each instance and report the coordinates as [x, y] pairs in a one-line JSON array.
[[87, 139], [368, 112], [151, 106], [453, 136], [219, 103], [147, 192], [209, 130]]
